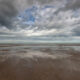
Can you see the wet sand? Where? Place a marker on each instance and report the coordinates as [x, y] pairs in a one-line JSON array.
[[39, 63]]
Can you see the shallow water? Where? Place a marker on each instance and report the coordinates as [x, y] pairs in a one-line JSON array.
[[40, 47], [39, 62]]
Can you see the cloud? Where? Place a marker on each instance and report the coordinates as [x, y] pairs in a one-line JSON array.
[[10, 8], [76, 31], [47, 25], [73, 4], [46, 20], [69, 5], [7, 11]]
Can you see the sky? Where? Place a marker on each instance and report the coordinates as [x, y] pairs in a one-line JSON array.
[[40, 20]]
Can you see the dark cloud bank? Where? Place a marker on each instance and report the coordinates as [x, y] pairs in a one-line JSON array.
[[7, 11]]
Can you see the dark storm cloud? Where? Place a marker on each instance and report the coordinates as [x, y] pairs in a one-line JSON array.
[[73, 4], [69, 5], [7, 11], [76, 31], [42, 2]]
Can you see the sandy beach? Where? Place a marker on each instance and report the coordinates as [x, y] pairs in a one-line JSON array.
[[39, 62]]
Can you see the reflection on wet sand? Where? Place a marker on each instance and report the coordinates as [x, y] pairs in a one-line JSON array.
[[21, 62]]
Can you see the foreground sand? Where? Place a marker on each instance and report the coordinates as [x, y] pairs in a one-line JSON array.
[[23, 63]]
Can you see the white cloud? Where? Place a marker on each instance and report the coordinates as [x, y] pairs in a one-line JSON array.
[[39, 33]]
